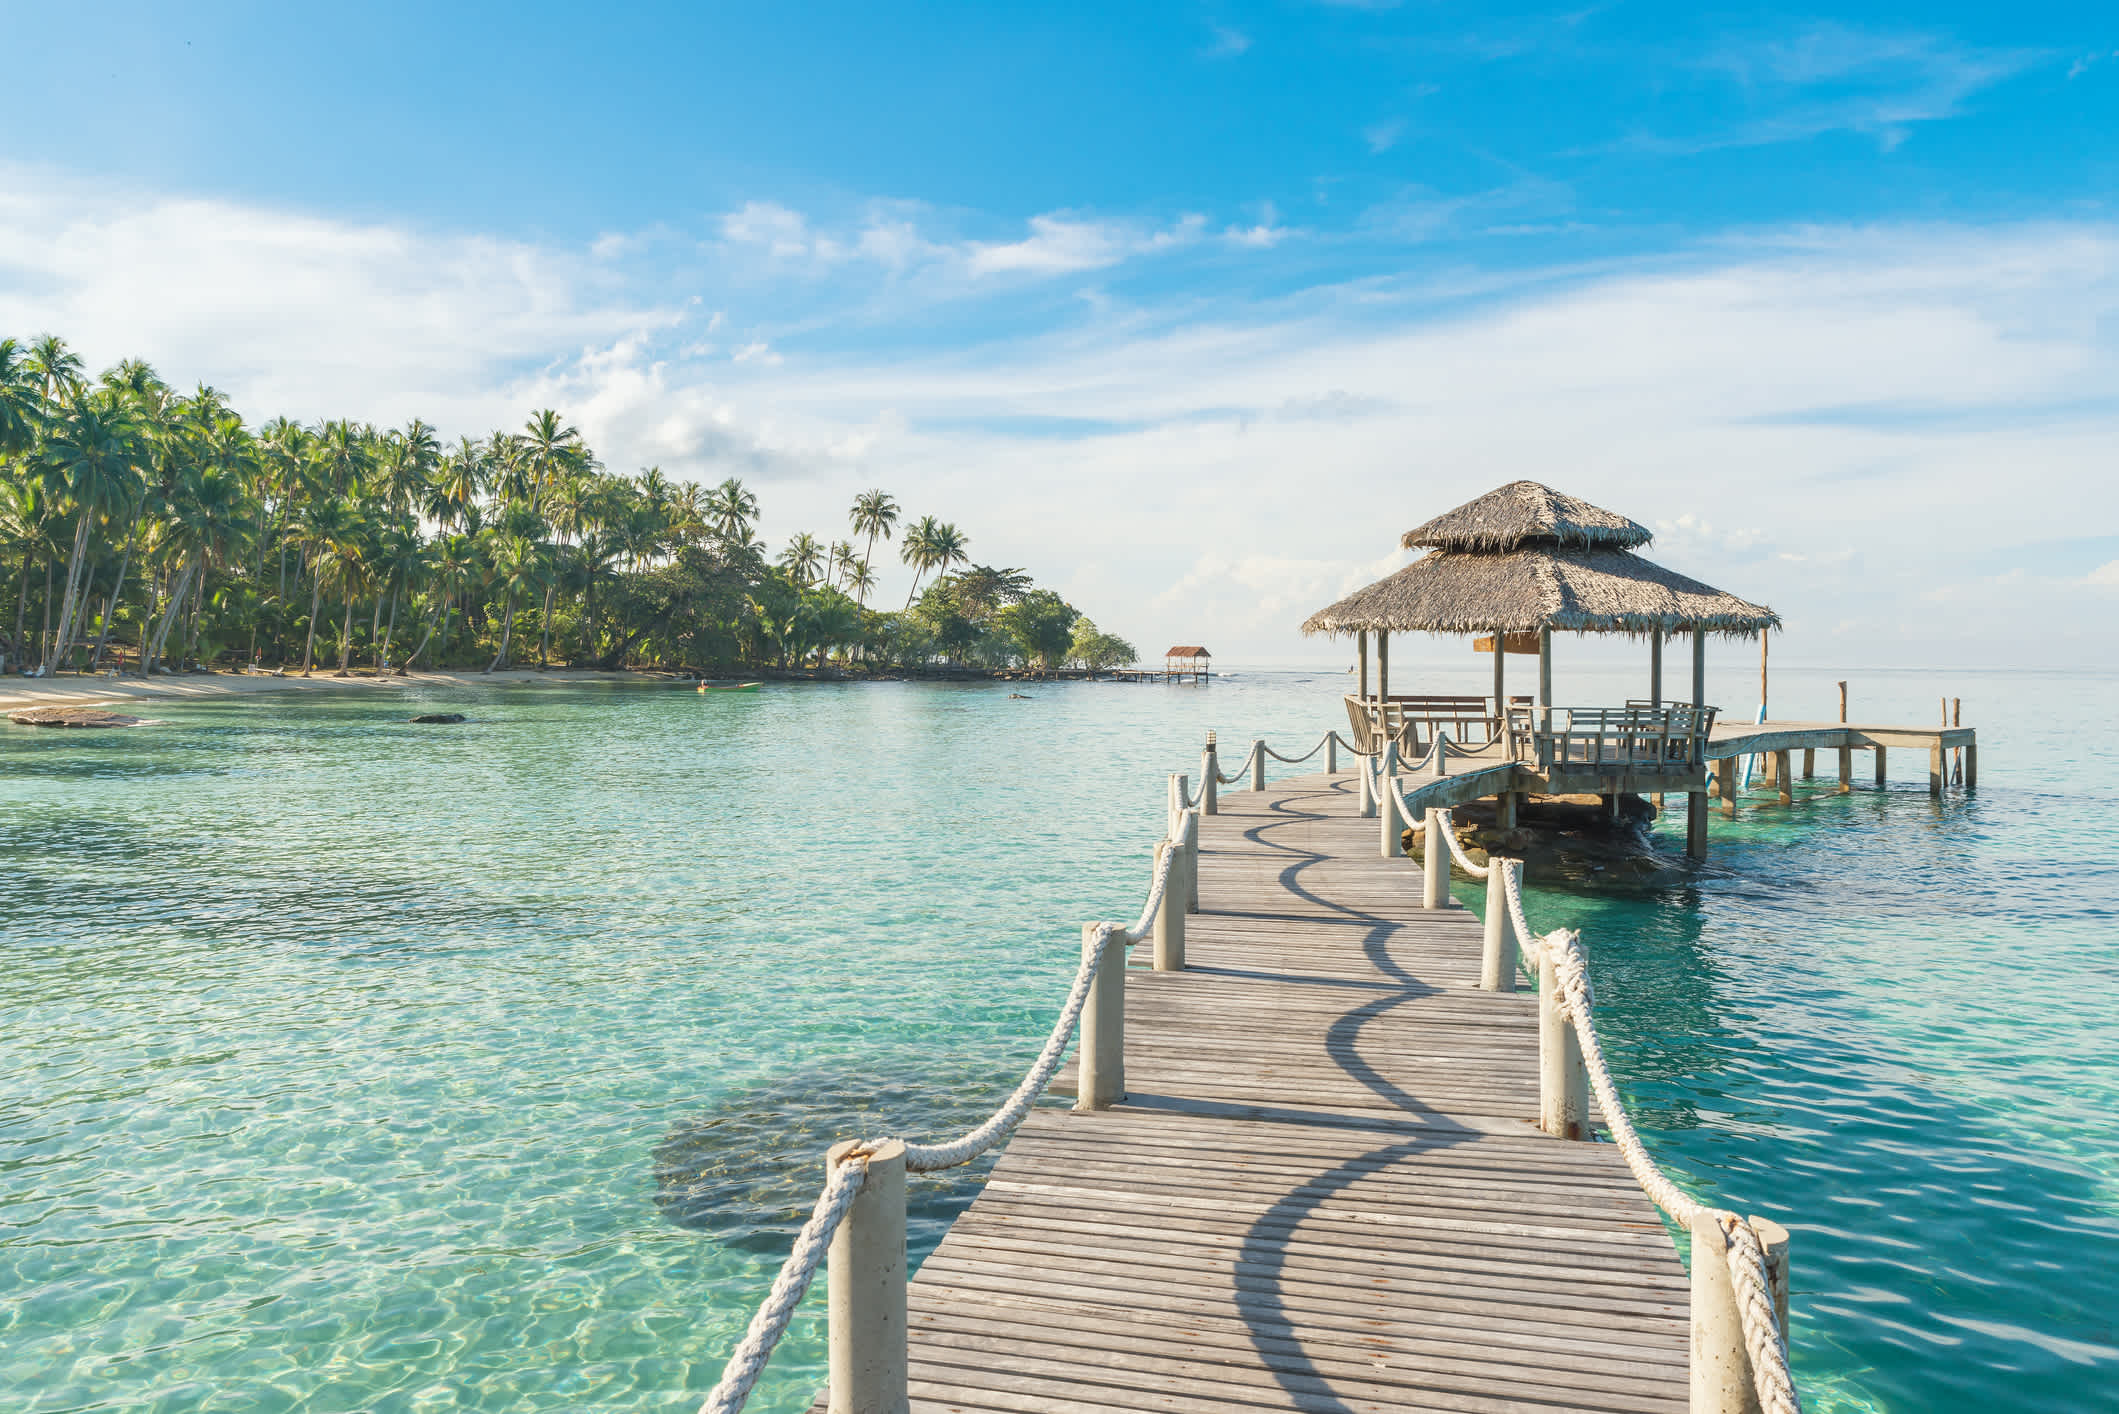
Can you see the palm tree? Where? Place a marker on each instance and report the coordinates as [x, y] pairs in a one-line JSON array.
[[802, 559], [731, 510], [55, 367], [916, 550], [21, 409], [330, 523], [549, 450], [92, 456], [860, 579], [874, 513]]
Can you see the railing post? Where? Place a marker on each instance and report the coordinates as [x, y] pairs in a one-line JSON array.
[[1210, 779], [1180, 802], [1190, 825], [1722, 1379], [1331, 753], [865, 1283], [1364, 766], [1170, 914], [1497, 959], [1434, 892], [1258, 764], [1563, 1080], [1393, 827], [1100, 1075]]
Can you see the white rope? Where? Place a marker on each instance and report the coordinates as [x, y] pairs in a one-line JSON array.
[[1464, 861], [1747, 1261], [789, 1287], [1298, 760]]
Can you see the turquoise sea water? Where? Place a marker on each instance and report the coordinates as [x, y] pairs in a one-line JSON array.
[[350, 1065]]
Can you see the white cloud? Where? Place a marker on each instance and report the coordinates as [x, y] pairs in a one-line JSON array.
[[1855, 398], [1383, 136], [1228, 43], [2107, 573]]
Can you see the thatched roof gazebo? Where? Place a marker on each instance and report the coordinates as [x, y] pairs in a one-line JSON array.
[[1528, 559]]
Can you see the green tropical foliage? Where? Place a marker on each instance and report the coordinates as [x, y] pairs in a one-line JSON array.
[[152, 530]]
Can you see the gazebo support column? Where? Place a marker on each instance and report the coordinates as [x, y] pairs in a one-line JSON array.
[[1361, 638], [1544, 679], [1500, 682], [1655, 692], [1696, 801], [1383, 668]]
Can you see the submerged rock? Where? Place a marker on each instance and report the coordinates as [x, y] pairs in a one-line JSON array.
[[432, 719], [70, 717]]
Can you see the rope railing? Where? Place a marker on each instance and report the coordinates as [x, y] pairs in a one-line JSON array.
[[1745, 1306], [844, 1183]]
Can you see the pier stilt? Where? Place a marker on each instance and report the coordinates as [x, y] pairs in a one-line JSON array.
[[1563, 1079], [1783, 778], [1725, 785], [865, 1286], [1971, 766], [1497, 956], [1935, 769], [1809, 763], [1100, 1071], [1879, 768], [1505, 809], [1696, 824]]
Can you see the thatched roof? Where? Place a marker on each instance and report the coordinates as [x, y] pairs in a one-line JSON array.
[[1187, 650], [1526, 513], [1586, 590]]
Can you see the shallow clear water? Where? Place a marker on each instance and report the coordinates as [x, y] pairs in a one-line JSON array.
[[350, 1065]]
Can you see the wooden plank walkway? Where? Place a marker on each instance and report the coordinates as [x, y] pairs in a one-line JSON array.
[[1325, 1191]]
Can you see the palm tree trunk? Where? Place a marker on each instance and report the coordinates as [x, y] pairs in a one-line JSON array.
[[22, 607], [507, 632], [316, 594], [73, 579], [116, 589], [153, 658], [432, 620], [544, 638], [375, 624], [345, 639], [43, 637], [382, 657]]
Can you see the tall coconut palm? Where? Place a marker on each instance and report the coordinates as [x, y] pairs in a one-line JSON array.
[[91, 456], [802, 559], [57, 369], [731, 510], [329, 524], [21, 406], [549, 450], [874, 513]]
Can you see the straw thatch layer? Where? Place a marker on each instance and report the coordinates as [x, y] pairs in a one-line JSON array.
[[1526, 513], [1579, 590]]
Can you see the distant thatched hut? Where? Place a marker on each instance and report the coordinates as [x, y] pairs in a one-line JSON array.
[[1186, 660]]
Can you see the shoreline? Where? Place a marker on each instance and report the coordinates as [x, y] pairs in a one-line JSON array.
[[85, 691]]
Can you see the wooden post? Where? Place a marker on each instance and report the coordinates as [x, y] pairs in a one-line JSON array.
[[1971, 766], [1191, 843], [1773, 1242], [1721, 1362], [1879, 768], [1170, 915], [1696, 824], [1361, 637], [1809, 763], [1505, 809], [1210, 779], [1383, 666], [1655, 670], [1769, 764], [1393, 824], [1258, 764], [1764, 635], [865, 1287], [1846, 753], [1331, 753], [1935, 768], [1783, 777], [1957, 720], [1545, 679], [1366, 767], [1497, 954], [1100, 1072], [1563, 1080], [1500, 682], [1725, 783], [1434, 892], [1180, 789]]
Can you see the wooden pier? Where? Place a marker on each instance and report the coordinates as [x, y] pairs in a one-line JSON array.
[[1325, 1188]]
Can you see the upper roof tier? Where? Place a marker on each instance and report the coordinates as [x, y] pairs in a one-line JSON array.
[[1525, 513]]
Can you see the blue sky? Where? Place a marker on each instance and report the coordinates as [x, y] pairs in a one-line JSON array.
[[1087, 274]]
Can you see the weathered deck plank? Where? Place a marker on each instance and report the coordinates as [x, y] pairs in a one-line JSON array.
[[1324, 1191]]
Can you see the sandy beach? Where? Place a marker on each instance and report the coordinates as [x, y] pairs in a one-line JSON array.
[[78, 690]]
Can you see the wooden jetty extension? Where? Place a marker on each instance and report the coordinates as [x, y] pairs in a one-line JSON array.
[[1323, 1156]]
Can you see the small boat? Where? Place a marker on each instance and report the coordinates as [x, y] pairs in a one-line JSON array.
[[728, 687]]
